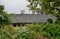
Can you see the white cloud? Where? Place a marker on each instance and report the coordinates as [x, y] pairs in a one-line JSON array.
[[15, 5]]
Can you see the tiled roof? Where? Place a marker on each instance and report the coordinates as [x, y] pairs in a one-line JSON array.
[[31, 18]]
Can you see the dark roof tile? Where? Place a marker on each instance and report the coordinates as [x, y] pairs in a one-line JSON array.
[[31, 18]]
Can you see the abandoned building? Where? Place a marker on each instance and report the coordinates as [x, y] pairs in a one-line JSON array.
[[18, 19]]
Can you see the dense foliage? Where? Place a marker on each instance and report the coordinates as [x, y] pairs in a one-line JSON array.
[[22, 33], [47, 30], [51, 30], [4, 17], [30, 31]]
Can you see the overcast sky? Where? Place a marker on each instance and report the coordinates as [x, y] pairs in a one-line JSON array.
[[15, 6]]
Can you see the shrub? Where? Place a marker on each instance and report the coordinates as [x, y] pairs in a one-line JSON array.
[[6, 32], [49, 20], [22, 33], [51, 30], [4, 17]]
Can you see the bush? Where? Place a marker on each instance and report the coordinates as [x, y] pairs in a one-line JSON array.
[[50, 30], [4, 17], [22, 33], [35, 28], [50, 21], [4, 34]]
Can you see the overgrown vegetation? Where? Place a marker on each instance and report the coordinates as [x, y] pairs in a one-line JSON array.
[[31, 31], [4, 17]]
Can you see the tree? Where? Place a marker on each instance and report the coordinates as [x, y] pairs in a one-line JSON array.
[[34, 7], [47, 6], [22, 11], [4, 17]]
